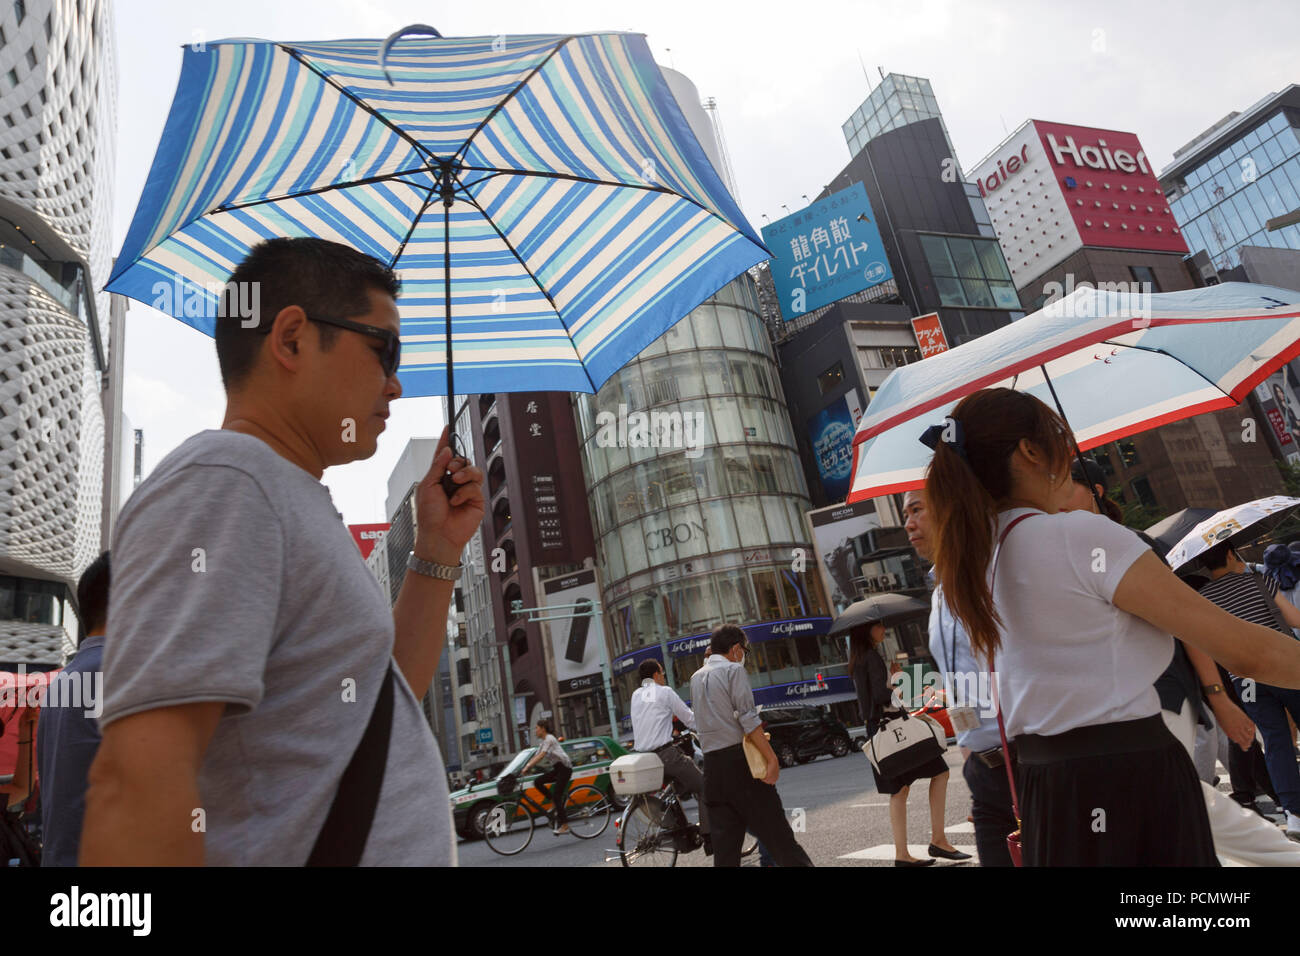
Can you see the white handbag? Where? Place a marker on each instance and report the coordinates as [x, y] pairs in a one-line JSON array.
[[905, 743]]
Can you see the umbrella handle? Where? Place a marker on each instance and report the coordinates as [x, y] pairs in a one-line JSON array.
[[415, 29], [449, 486]]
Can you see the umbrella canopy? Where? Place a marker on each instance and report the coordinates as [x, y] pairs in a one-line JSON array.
[[546, 191], [1114, 364], [1241, 524], [878, 607], [1173, 529]]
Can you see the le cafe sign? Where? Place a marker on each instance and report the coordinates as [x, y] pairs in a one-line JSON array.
[[1099, 156]]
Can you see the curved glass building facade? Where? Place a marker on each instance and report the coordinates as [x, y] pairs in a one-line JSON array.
[[698, 502]]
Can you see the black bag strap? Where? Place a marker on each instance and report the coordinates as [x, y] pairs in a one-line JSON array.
[[342, 837], [1271, 601]]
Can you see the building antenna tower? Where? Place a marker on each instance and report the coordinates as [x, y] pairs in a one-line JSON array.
[[710, 105]]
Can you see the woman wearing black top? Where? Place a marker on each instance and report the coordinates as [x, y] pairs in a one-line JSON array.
[[871, 680]]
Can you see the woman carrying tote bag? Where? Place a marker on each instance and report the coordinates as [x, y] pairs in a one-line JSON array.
[[867, 668], [1076, 622]]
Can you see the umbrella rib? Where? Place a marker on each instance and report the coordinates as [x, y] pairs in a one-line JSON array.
[[383, 120], [1147, 348], [387, 177], [507, 98], [547, 174], [428, 201]]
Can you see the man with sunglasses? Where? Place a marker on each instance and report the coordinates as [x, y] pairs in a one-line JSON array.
[[261, 698]]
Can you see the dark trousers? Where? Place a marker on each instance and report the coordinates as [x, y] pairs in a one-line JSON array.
[[1268, 710], [1248, 771], [990, 796], [557, 794], [682, 771], [737, 802]]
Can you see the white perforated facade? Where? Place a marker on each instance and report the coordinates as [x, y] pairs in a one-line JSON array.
[[58, 92]]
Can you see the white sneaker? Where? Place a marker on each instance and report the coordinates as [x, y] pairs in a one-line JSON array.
[[1293, 826]]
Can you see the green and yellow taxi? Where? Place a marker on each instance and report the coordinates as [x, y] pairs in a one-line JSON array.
[[591, 758]]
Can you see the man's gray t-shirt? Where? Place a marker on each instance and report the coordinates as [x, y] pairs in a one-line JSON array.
[[235, 580]]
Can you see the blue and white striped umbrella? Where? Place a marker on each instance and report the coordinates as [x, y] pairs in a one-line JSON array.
[[549, 186], [1111, 362]]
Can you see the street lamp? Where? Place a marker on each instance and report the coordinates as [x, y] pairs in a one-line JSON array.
[[535, 615]]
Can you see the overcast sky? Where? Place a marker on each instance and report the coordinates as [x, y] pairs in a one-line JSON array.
[[785, 77]]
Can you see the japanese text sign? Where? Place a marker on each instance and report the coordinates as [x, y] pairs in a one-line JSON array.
[[826, 251]]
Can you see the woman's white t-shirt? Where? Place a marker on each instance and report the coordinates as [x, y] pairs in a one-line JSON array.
[[1069, 657]]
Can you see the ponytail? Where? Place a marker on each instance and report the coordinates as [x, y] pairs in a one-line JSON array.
[[963, 515]]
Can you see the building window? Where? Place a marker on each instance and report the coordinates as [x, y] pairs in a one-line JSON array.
[[1102, 457], [831, 378], [1142, 488], [20, 11], [1128, 453], [1146, 277], [970, 272]]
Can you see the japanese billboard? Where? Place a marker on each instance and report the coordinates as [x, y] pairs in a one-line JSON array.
[[1278, 401], [831, 433], [826, 251], [833, 531], [541, 427], [577, 639], [367, 536], [929, 334]]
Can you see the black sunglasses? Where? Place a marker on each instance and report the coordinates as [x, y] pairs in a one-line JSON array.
[[390, 358]]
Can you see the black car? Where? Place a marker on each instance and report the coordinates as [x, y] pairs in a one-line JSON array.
[[801, 734]]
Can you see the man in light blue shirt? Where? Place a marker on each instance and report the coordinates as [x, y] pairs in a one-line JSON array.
[[969, 696]]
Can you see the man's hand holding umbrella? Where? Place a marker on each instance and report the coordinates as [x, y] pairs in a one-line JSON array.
[[443, 527]]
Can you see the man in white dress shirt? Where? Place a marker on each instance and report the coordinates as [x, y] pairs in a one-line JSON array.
[[654, 705]]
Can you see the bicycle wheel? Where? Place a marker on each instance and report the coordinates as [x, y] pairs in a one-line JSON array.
[[508, 827], [588, 810], [750, 845], [641, 840]]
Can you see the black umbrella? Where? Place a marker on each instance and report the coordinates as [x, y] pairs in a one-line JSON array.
[[1173, 529], [878, 607]]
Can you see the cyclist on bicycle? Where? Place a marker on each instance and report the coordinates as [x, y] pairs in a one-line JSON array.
[[559, 769], [654, 704]]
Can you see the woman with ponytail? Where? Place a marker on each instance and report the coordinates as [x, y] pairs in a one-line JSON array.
[[1074, 613]]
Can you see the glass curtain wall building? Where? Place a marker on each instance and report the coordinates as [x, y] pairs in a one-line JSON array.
[[897, 101], [1227, 186], [690, 538]]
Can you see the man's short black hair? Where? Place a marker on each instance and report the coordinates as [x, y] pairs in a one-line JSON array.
[[1217, 556], [545, 725], [92, 596], [649, 668], [725, 638], [322, 277]]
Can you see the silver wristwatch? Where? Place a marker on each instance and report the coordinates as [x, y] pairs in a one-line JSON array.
[[443, 572]]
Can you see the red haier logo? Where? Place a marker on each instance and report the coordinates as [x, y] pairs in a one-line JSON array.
[[1098, 156], [1012, 166]]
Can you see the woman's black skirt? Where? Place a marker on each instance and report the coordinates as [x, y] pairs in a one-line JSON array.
[[1120, 794]]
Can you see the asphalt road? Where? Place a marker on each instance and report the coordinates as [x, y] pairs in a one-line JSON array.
[[844, 821]]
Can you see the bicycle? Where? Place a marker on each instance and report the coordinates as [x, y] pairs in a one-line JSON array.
[[643, 837], [508, 826]]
